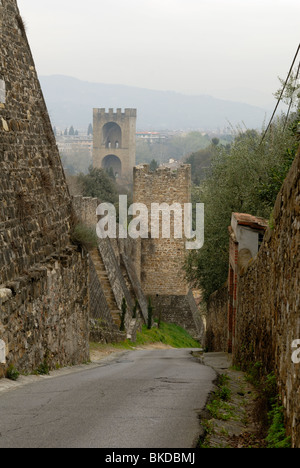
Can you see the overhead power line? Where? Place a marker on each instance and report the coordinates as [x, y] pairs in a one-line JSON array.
[[291, 101], [281, 94]]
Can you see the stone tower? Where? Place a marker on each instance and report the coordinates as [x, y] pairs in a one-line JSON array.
[[162, 259], [114, 141]]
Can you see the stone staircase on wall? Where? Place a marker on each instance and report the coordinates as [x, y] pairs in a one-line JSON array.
[[106, 286]]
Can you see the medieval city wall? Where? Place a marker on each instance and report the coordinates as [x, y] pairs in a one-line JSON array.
[[216, 337], [43, 280], [267, 317], [44, 315], [162, 259]]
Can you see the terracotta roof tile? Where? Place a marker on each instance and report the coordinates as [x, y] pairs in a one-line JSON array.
[[254, 222]]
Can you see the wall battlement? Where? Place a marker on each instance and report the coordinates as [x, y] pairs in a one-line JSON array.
[[182, 171], [112, 115], [162, 185]]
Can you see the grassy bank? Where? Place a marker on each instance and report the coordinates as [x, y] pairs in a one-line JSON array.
[[244, 412], [168, 335]]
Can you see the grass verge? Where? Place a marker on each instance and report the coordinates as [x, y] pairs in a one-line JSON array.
[[168, 334]]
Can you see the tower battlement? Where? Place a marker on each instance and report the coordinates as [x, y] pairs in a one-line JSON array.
[[115, 141], [184, 170], [111, 113]]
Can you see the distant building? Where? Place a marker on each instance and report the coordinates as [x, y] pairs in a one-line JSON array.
[[172, 164], [150, 136], [68, 144]]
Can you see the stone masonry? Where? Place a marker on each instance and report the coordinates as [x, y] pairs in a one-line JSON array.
[[162, 259], [267, 319], [113, 277], [43, 278], [268, 315], [115, 141]]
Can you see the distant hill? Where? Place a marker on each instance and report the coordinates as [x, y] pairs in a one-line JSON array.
[[70, 102]]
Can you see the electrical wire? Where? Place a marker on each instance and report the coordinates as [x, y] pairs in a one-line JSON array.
[[281, 94], [291, 101]]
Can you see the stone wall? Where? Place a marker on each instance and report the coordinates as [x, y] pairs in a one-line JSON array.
[[44, 314], [35, 202], [216, 338], [162, 259], [180, 310], [115, 276], [44, 307], [122, 264], [268, 314], [85, 208]]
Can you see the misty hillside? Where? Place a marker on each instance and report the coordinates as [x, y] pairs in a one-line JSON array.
[[70, 102]]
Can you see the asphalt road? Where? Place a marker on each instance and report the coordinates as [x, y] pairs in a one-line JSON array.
[[143, 399]]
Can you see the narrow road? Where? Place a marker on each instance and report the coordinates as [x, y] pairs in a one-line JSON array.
[[143, 399]]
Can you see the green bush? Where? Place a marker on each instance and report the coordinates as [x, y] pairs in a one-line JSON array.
[[84, 236], [277, 434], [12, 373]]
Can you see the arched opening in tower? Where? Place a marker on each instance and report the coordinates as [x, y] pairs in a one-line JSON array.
[[112, 163], [112, 135]]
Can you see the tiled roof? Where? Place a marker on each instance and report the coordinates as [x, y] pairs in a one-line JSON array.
[[254, 222]]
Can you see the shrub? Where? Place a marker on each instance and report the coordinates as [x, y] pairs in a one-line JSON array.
[[277, 434], [12, 373], [84, 236]]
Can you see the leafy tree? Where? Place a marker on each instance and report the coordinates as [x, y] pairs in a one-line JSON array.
[[240, 180], [200, 162], [98, 184]]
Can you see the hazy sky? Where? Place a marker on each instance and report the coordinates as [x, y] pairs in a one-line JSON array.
[[232, 49]]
